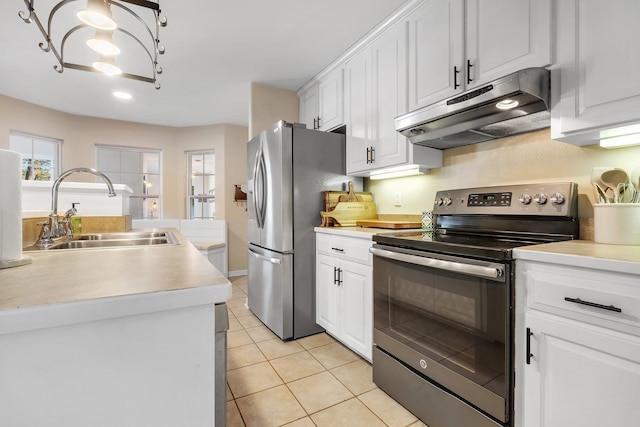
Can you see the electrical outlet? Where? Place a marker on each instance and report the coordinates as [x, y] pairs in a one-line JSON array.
[[398, 199]]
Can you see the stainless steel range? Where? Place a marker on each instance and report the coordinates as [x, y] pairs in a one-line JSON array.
[[443, 300]]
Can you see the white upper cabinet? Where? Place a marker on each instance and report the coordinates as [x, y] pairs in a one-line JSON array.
[[309, 107], [358, 112], [375, 92], [455, 45], [504, 36], [389, 96], [595, 83], [321, 105], [330, 101], [436, 51]]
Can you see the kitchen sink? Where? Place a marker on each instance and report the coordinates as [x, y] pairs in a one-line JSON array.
[[113, 240], [125, 236]]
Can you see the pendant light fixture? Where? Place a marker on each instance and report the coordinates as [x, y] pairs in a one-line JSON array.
[[103, 17]]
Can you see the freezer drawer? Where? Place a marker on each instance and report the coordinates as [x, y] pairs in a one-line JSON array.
[[271, 289]]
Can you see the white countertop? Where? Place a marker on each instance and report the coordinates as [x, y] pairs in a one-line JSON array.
[[107, 282], [360, 232], [585, 253]]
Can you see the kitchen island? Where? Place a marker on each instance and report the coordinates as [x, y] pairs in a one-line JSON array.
[[107, 337]]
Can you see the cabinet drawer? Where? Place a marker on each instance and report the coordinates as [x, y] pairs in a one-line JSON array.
[[607, 299], [348, 248]]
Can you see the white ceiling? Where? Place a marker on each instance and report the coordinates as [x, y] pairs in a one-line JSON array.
[[214, 50]]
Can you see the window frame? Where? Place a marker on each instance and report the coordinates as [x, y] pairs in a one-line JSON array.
[[192, 197], [57, 143], [143, 195]]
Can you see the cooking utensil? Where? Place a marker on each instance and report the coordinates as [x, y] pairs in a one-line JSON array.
[[624, 193], [635, 180], [596, 178], [601, 196], [613, 177]]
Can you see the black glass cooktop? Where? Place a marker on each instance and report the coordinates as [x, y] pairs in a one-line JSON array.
[[497, 247]]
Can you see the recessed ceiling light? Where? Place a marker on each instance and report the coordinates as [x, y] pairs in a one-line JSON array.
[[122, 95]]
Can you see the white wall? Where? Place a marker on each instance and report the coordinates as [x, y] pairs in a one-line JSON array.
[[269, 105]]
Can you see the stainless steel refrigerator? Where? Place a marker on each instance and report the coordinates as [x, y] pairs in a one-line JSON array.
[[288, 167]]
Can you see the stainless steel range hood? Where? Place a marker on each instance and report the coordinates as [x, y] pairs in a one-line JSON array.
[[481, 114]]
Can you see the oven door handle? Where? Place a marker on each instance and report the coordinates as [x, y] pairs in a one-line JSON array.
[[457, 267]]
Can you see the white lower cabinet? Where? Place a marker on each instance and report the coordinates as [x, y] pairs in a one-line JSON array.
[[344, 290], [577, 346], [580, 375]]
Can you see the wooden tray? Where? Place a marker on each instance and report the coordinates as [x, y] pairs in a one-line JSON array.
[[388, 224], [347, 213], [331, 199]]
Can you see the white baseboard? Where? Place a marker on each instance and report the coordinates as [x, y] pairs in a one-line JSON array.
[[238, 273]]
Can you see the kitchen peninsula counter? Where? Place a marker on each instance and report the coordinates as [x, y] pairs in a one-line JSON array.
[[66, 276], [118, 336]]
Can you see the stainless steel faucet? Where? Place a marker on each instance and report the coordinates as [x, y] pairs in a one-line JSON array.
[[54, 224]]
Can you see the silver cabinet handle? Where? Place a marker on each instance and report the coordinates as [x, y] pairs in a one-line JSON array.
[[265, 258], [458, 267]]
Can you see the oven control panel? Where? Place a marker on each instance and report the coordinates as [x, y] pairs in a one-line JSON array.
[[552, 199], [489, 199]]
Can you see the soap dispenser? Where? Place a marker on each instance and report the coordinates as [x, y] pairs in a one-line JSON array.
[[76, 222]]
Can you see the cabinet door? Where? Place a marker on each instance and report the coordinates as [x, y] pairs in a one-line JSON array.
[[389, 71], [357, 111], [357, 303], [598, 62], [330, 101], [327, 296], [309, 107], [504, 36], [580, 375], [435, 48]]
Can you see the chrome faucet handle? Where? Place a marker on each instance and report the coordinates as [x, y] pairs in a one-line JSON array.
[[45, 235], [65, 225]]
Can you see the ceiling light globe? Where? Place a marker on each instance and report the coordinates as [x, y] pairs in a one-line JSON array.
[[98, 15], [102, 43], [107, 65]]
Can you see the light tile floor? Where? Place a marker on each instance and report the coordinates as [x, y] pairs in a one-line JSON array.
[[313, 381]]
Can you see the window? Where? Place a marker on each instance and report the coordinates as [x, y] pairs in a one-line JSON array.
[[140, 170], [201, 202], [40, 156]]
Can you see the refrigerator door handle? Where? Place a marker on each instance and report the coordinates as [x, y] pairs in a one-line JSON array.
[[263, 189], [258, 192], [265, 258]]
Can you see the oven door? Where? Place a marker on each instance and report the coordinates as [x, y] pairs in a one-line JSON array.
[[448, 319]]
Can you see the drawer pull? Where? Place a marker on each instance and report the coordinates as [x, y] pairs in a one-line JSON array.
[[529, 355], [338, 250], [594, 304]]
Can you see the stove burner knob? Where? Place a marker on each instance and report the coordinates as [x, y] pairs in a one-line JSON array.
[[439, 202], [447, 201], [540, 199], [557, 199], [525, 199]]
